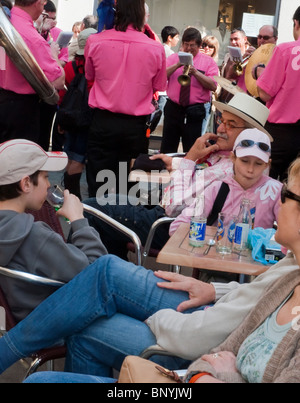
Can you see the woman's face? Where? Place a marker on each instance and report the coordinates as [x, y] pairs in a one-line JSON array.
[[289, 221]]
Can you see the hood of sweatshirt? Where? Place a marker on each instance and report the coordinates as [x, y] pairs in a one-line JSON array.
[[14, 229]]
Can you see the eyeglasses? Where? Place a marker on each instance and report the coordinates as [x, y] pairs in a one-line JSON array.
[[287, 194], [250, 143], [264, 37], [204, 44], [228, 125]]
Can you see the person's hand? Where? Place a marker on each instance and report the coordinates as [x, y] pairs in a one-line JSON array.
[[165, 158], [202, 148], [72, 208], [55, 50], [224, 361], [200, 293]]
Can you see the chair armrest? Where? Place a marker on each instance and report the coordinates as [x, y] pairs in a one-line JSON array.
[[155, 226], [119, 227], [30, 278], [154, 350]]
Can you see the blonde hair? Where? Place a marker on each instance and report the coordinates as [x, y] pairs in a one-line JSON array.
[[294, 172], [213, 41]]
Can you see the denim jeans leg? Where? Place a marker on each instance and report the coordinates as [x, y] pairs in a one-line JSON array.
[[107, 287], [105, 344]]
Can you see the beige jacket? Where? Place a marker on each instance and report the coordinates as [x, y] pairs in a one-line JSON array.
[[284, 365]]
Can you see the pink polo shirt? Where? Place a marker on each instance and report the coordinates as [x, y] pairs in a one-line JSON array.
[[281, 81], [198, 93], [127, 68], [10, 77]]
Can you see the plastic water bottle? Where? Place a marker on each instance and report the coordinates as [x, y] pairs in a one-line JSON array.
[[244, 223]]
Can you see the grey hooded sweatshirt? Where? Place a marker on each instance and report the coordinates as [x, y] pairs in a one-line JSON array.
[[35, 248]]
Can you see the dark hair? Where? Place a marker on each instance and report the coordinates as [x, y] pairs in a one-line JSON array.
[[297, 15], [238, 30], [168, 31], [13, 190], [130, 12], [50, 7], [6, 3], [192, 34], [25, 3]]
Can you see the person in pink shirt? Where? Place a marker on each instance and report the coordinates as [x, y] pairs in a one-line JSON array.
[[279, 87], [127, 68], [184, 114], [251, 158], [20, 105]]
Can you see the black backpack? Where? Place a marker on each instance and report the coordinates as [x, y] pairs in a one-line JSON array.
[[74, 113]]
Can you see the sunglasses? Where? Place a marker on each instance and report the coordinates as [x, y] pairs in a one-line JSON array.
[[287, 194], [250, 143], [264, 37], [204, 44]]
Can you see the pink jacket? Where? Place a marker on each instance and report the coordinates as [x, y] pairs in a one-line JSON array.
[[189, 181], [265, 195]]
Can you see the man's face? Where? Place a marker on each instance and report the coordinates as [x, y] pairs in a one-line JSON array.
[[237, 40], [191, 47], [230, 127], [266, 36]]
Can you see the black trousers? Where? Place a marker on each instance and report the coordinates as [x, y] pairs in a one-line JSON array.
[[19, 116], [285, 148], [180, 122], [114, 138]]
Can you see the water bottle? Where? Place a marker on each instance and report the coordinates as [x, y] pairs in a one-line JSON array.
[[244, 223]]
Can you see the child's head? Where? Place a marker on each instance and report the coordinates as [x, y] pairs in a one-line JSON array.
[[252, 151], [22, 161]]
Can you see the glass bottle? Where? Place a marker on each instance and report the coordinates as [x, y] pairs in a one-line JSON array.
[[244, 223]]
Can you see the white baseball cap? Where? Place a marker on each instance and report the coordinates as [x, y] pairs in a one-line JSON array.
[[20, 158], [253, 142]]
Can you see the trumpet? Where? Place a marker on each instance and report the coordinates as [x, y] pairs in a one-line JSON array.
[[185, 79], [240, 65]]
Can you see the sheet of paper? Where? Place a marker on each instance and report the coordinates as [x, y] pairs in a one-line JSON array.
[[186, 58]]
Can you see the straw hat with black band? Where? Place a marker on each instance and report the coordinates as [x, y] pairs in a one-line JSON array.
[[247, 108]]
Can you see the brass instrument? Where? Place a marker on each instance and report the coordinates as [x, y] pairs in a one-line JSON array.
[[239, 66], [185, 79], [20, 55], [262, 55]]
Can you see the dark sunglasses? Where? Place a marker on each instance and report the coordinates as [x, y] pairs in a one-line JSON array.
[[250, 143], [264, 37], [287, 194], [204, 44]]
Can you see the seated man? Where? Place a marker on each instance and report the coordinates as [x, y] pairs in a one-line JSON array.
[[202, 165]]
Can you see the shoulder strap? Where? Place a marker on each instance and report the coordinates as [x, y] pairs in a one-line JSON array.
[[218, 204]]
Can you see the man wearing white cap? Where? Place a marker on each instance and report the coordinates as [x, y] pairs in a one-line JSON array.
[[32, 246]]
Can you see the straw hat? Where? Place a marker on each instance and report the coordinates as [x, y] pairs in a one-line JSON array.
[[247, 108]]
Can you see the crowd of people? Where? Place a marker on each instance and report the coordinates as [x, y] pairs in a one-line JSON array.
[[110, 308]]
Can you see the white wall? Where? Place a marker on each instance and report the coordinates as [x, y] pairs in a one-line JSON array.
[[285, 26], [70, 11], [181, 14]]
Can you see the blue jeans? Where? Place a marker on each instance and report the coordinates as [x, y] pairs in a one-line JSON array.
[[137, 218], [64, 377], [100, 314]]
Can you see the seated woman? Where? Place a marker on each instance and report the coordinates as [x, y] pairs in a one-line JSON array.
[[265, 347], [251, 158]]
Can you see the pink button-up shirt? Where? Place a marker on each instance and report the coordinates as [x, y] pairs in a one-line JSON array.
[[10, 77], [127, 68], [281, 81], [198, 93]]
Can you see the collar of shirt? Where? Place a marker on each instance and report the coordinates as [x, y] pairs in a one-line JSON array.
[[18, 12]]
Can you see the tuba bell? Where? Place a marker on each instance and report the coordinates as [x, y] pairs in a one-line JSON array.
[[185, 79], [20, 55]]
